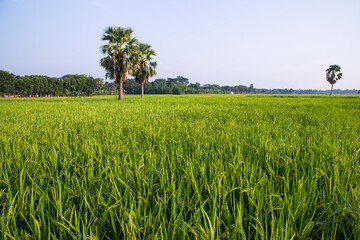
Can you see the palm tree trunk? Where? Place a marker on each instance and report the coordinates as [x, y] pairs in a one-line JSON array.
[[142, 90], [331, 89], [121, 89]]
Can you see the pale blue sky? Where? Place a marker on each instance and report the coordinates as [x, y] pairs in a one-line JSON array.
[[272, 43]]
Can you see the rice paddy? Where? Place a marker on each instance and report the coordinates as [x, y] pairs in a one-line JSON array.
[[180, 167]]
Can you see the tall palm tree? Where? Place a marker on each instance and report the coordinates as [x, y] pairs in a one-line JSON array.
[[120, 54], [145, 66], [333, 75]]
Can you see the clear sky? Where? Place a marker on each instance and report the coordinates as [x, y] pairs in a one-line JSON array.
[[269, 43]]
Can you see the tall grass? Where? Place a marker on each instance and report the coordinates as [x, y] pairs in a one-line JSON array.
[[180, 167]]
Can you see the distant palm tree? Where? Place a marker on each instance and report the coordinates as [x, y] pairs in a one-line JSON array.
[[333, 75], [121, 54], [145, 65]]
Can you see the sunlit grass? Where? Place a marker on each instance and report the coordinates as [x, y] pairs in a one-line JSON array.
[[180, 167]]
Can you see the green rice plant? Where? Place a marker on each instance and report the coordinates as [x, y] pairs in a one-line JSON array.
[[180, 167]]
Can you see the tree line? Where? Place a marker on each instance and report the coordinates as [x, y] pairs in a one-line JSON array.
[[82, 85], [35, 85], [181, 85]]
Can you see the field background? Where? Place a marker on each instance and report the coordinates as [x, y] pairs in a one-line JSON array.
[[180, 167]]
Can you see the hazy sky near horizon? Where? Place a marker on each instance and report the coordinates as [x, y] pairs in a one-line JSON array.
[[269, 43]]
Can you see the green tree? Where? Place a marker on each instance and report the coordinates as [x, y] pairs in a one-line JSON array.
[[251, 88], [131, 86], [333, 75], [19, 86], [159, 86], [195, 85], [179, 79], [120, 54], [28, 85], [7, 83], [146, 67]]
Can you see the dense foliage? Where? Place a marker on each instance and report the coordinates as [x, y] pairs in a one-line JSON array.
[[68, 85], [81, 85], [180, 167], [181, 85]]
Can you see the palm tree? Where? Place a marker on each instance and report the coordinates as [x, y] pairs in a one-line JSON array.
[[333, 75], [121, 54], [146, 67]]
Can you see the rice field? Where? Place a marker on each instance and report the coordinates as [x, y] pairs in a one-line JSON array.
[[180, 167]]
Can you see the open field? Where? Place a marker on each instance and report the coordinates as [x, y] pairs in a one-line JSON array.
[[180, 167]]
